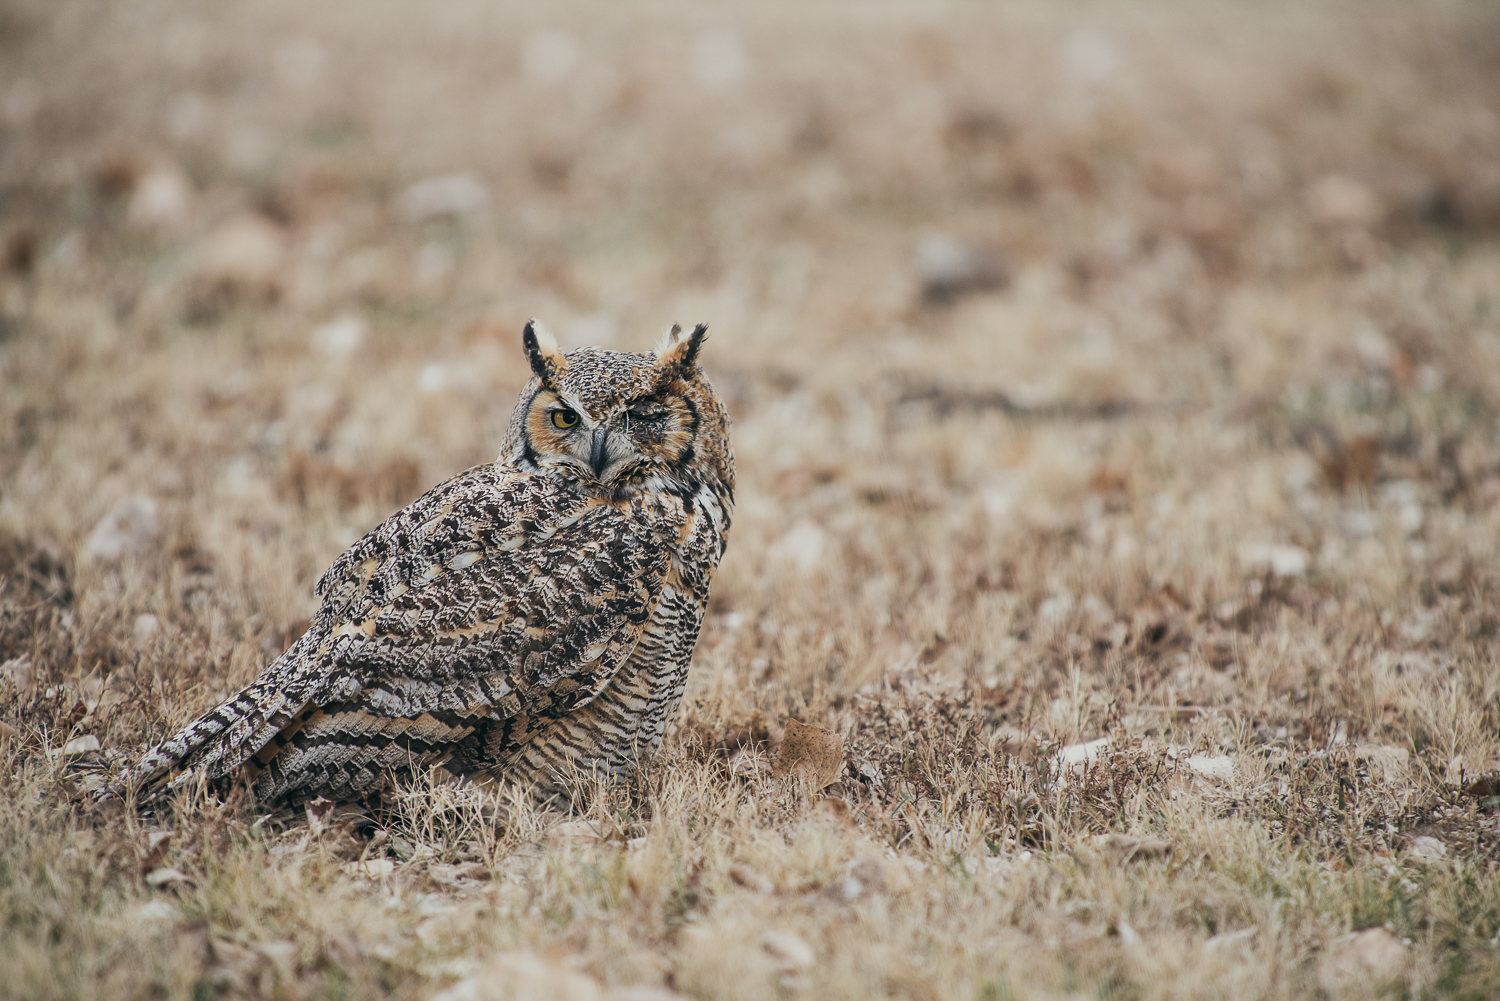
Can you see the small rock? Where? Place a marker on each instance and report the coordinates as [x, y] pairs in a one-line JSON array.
[[145, 629], [1428, 849], [1338, 200], [130, 527], [849, 889], [1219, 767], [1284, 561], [949, 269], [433, 377], [339, 338], [162, 200], [87, 744], [811, 751], [1389, 763], [1362, 960], [154, 912], [453, 195], [17, 672], [523, 976]]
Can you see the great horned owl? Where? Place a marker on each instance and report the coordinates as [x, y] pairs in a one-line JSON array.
[[528, 615]]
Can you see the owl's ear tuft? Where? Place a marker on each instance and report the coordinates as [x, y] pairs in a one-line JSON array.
[[545, 356], [676, 354]]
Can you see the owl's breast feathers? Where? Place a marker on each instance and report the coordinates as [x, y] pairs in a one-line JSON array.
[[495, 594]]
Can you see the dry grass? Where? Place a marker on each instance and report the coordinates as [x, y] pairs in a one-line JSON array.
[[1202, 459]]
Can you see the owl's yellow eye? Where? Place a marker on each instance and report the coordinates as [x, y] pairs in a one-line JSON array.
[[564, 419]]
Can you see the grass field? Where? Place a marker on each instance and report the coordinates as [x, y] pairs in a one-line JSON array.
[[1115, 392]]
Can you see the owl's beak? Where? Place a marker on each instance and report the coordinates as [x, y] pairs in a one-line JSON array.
[[598, 454]]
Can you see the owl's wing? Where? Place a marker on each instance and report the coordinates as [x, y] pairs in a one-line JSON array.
[[493, 595]]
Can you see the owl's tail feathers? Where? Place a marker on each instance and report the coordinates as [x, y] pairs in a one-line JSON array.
[[213, 746]]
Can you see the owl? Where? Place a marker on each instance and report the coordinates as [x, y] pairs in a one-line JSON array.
[[528, 617]]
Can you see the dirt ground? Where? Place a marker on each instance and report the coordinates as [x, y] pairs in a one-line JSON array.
[[1115, 392]]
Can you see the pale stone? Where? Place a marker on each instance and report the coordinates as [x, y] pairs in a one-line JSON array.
[[451, 195], [1284, 561], [130, 527], [1428, 849], [339, 338], [1219, 767], [1339, 200], [162, 200], [145, 629]]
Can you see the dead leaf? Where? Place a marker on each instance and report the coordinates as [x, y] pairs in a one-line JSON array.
[[156, 849], [742, 875], [453, 875], [87, 744], [166, 877], [91, 688], [319, 811], [1351, 463], [588, 832], [1389, 763], [1123, 848], [1487, 788], [815, 753], [788, 949]]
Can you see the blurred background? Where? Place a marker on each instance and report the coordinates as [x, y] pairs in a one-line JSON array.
[[1098, 369], [1055, 304]]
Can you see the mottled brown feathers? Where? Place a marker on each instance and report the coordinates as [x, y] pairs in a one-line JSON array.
[[527, 616]]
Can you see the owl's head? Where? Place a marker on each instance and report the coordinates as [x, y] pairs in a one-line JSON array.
[[615, 421]]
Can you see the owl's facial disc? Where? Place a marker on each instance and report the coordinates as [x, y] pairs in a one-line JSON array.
[[565, 434], [604, 447]]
